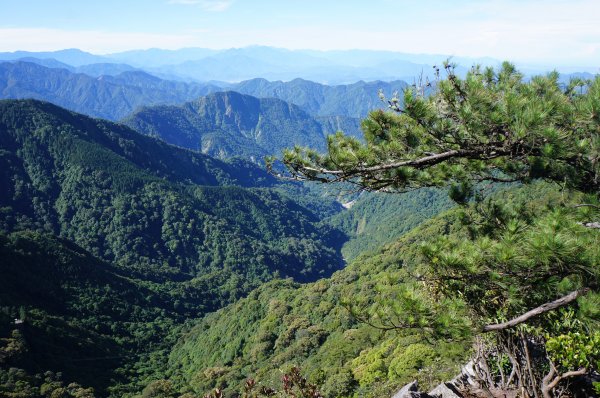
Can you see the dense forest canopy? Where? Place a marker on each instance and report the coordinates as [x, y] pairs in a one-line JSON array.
[[184, 234]]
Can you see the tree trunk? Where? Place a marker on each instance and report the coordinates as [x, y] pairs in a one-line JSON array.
[[549, 383]]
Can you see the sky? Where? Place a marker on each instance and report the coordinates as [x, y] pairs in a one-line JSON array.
[[559, 32]]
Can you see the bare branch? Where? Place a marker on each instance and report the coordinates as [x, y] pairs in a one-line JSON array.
[[587, 205], [549, 383], [561, 302], [424, 161]]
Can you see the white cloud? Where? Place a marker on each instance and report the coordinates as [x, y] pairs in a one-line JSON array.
[[208, 5]]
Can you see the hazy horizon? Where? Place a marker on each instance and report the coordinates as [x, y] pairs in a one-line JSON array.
[[536, 32]]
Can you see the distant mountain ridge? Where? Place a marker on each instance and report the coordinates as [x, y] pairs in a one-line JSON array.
[[72, 56], [229, 124], [110, 97], [94, 70], [116, 96], [238, 64], [353, 100]]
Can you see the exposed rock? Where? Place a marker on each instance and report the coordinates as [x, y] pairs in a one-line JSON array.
[[593, 225], [445, 390], [411, 390], [467, 375]]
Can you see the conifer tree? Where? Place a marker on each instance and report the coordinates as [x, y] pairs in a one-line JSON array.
[[529, 268]]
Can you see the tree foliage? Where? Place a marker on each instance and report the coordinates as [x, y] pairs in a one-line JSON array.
[[110, 239], [491, 125], [283, 324], [519, 263]]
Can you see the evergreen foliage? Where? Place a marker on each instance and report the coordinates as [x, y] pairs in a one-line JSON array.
[[284, 324], [520, 265], [488, 126]]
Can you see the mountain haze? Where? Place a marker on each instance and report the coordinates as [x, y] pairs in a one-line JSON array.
[[73, 57], [351, 100], [114, 96], [110, 97]]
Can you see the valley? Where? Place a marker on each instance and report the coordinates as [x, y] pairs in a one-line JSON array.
[[210, 223]]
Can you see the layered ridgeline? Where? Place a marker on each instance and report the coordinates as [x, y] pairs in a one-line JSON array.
[[237, 64], [109, 97], [171, 232], [113, 91], [94, 70], [351, 100], [229, 124]]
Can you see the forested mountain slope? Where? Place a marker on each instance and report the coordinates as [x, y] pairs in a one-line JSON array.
[[375, 219], [80, 315], [125, 197], [177, 225], [369, 329], [228, 124], [284, 324], [109, 97], [352, 100]]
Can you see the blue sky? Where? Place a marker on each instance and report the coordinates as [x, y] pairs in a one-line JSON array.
[[560, 32]]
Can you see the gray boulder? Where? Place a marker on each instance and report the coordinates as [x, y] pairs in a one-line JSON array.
[[411, 390], [445, 390]]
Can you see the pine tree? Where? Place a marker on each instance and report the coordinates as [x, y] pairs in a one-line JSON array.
[[528, 270]]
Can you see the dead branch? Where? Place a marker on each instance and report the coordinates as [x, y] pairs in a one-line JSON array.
[[561, 302]]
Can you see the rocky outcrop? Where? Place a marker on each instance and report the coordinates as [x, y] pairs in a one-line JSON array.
[[444, 390], [411, 390]]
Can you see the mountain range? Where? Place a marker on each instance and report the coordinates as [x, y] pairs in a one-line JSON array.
[[116, 96], [146, 252], [237, 64], [234, 65], [110, 97]]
